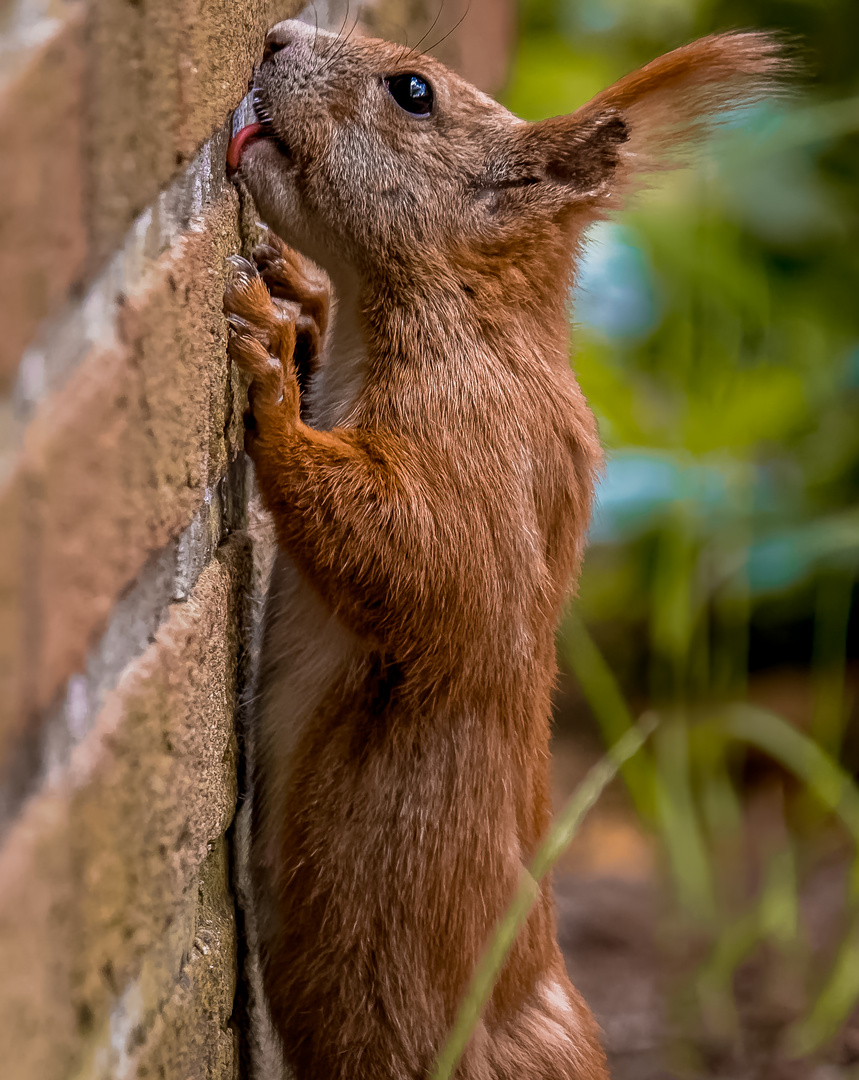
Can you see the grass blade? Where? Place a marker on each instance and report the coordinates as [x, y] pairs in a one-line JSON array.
[[800, 755], [834, 1003], [559, 838], [838, 792], [608, 704]]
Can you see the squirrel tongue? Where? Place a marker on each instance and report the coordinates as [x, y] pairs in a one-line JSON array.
[[238, 144]]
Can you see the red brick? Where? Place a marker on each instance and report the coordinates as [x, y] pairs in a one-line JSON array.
[[164, 76], [191, 1037], [94, 122], [42, 221], [222, 44], [119, 461], [99, 879], [132, 110]]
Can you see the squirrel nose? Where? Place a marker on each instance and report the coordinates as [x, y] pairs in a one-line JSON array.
[[289, 32], [282, 36], [286, 33], [276, 40]]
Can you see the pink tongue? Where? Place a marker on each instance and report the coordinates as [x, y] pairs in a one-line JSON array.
[[238, 144]]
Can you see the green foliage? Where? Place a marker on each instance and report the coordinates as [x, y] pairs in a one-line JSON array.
[[560, 836], [717, 339]]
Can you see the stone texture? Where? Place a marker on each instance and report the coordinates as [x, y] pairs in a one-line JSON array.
[[101, 902], [193, 1037], [223, 42], [133, 110], [34, 748], [42, 223], [163, 76], [188, 1034], [142, 429]]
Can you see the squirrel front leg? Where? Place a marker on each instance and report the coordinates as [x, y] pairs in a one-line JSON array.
[[262, 346], [358, 511]]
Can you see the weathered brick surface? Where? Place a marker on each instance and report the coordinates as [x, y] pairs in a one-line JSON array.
[[133, 109], [102, 104], [142, 429], [163, 76], [224, 41], [193, 1036], [42, 224], [101, 904]]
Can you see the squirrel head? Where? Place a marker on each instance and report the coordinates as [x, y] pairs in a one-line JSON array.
[[378, 158]]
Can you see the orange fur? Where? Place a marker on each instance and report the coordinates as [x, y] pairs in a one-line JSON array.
[[431, 487]]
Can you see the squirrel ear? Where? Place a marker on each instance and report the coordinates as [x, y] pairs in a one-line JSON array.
[[555, 162], [645, 122], [583, 156]]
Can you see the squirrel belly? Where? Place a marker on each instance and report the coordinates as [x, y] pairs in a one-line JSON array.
[[429, 466], [385, 845], [401, 772]]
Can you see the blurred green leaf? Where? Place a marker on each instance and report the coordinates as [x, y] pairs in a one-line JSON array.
[[560, 836], [835, 1002], [835, 788]]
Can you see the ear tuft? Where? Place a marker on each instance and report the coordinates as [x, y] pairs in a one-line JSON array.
[[672, 103], [647, 121]]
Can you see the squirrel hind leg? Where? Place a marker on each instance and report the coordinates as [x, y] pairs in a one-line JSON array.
[[553, 1036]]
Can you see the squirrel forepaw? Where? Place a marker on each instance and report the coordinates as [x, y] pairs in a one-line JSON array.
[[288, 275], [262, 344]]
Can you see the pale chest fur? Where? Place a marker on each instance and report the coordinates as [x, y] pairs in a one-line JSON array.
[[305, 651], [338, 381]]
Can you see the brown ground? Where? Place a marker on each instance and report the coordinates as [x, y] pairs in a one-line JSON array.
[[628, 953]]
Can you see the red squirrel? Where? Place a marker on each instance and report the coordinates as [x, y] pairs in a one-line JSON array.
[[429, 462]]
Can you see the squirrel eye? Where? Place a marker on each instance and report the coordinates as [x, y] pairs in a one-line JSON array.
[[411, 93]]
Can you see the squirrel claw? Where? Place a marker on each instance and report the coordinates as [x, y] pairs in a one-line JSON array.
[[243, 265], [240, 325]]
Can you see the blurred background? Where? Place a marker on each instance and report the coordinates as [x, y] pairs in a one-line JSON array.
[[709, 907]]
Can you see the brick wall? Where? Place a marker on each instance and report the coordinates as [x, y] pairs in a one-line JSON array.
[[129, 583]]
